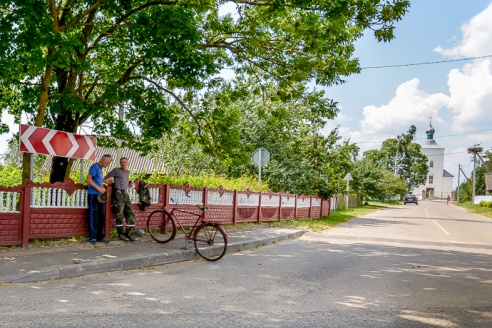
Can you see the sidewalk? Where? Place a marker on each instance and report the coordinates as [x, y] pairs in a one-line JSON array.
[[36, 264]]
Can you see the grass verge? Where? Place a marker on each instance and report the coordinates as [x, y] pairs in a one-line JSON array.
[[324, 223], [477, 209]]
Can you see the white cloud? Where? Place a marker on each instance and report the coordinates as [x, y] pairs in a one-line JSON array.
[[410, 106], [470, 88], [471, 96], [476, 37]]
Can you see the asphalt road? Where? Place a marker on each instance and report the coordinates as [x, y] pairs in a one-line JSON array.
[[410, 266]]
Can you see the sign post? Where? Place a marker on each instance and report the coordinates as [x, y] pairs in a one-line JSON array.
[[347, 178], [260, 157]]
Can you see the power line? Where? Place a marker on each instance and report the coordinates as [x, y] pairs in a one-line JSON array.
[[426, 63], [459, 134], [422, 138]]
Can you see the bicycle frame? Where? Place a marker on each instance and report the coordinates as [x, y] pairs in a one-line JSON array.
[[199, 220]]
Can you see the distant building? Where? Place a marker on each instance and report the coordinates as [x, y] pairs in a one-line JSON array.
[[439, 183]]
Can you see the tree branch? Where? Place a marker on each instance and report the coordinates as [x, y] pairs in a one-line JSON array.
[[126, 16], [183, 105]]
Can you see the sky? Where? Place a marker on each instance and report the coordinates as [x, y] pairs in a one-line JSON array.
[[382, 103]]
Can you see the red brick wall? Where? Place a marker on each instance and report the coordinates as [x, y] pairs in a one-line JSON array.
[[62, 222], [10, 229]]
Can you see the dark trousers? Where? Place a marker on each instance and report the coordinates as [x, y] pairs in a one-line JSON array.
[[97, 218], [122, 208]]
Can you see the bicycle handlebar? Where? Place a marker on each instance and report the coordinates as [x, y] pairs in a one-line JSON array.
[[200, 207]]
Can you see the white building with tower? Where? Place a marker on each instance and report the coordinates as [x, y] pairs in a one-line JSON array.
[[439, 183]]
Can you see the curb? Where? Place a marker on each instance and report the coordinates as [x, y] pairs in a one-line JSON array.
[[137, 262]]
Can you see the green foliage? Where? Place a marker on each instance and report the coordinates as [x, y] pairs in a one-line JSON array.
[[249, 116], [86, 61], [482, 168], [209, 181], [465, 191], [374, 181], [484, 203], [404, 158], [10, 176]]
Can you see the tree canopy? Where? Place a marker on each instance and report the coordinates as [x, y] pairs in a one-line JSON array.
[[253, 117], [402, 157], [374, 181], [66, 64]]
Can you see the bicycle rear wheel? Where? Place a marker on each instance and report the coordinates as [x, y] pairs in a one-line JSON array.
[[210, 241], [161, 226]]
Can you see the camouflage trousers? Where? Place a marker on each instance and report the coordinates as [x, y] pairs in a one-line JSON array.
[[122, 208]]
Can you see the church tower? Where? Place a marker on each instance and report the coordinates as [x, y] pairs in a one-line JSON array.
[[439, 182]]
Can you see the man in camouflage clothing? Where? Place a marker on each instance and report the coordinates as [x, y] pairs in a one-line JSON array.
[[121, 205]]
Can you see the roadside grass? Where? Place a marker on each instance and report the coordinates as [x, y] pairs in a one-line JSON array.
[[50, 242], [335, 218], [477, 209]]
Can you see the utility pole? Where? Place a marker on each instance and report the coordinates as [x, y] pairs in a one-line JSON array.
[[458, 189], [474, 150]]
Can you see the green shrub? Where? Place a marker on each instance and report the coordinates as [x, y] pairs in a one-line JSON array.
[[485, 203], [209, 181]]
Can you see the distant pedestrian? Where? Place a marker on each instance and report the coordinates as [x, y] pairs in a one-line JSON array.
[[121, 204], [97, 210], [448, 199]]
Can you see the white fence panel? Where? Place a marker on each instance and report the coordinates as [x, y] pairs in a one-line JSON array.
[[8, 201], [478, 199]]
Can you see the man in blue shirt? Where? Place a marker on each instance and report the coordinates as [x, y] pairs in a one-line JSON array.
[[97, 212]]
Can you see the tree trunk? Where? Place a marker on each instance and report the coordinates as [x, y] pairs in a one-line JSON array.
[[26, 164], [42, 103], [58, 169]]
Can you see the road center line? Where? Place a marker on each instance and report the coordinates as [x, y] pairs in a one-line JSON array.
[[445, 232], [437, 224]]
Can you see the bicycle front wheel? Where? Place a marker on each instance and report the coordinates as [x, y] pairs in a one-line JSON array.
[[161, 226], [210, 241]]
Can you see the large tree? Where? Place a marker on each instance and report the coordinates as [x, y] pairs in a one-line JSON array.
[[374, 181], [66, 63], [403, 157], [247, 116]]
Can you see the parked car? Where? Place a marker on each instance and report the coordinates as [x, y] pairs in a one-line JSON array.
[[411, 199]]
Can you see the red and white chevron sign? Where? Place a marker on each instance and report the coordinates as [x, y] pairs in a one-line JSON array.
[[38, 140]]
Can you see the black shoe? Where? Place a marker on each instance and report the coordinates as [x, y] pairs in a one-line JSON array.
[[92, 241], [124, 238], [104, 240], [132, 238]]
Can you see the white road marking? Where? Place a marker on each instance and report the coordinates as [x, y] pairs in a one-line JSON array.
[[444, 230], [437, 224]]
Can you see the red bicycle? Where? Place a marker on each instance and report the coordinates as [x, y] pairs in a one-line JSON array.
[[210, 238]]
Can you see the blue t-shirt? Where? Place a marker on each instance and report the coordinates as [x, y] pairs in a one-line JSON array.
[[97, 176]]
